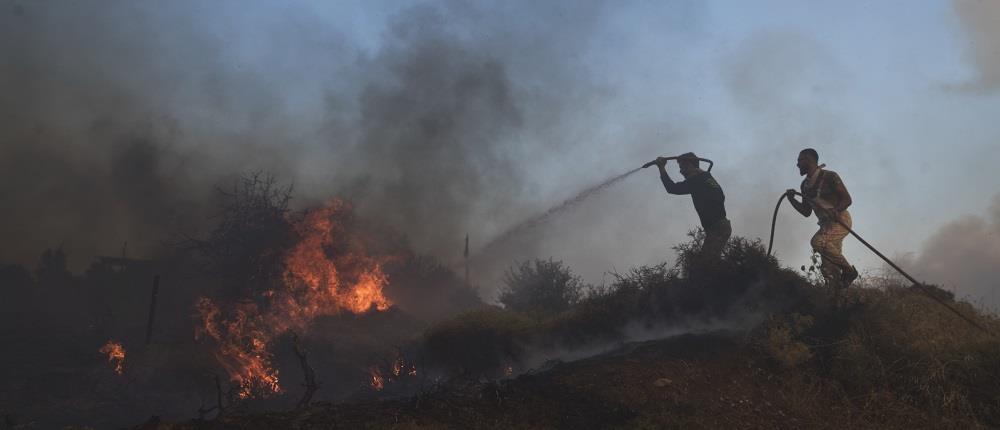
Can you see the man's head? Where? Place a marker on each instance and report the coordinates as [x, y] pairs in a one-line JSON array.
[[688, 163], [808, 160]]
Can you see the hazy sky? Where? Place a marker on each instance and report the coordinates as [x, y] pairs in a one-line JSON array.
[[451, 117]]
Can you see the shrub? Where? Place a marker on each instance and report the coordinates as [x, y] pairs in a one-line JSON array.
[[782, 339], [884, 344], [901, 340], [541, 286], [477, 343], [245, 248]]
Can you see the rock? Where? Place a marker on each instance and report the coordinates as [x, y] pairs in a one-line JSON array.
[[662, 382]]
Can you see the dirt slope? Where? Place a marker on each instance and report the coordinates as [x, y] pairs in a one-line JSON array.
[[691, 381]]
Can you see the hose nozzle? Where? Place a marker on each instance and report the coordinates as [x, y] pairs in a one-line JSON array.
[[653, 163]]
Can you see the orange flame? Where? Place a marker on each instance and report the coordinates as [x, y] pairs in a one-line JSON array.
[[352, 281], [397, 367], [316, 282], [116, 355], [395, 372], [378, 381], [243, 347], [400, 368]]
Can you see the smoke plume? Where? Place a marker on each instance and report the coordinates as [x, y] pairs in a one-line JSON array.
[[964, 255], [981, 22], [123, 117]]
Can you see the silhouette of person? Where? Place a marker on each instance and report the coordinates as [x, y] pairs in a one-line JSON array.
[[708, 198], [825, 195]]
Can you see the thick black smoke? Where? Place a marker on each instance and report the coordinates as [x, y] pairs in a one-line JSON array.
[[435, 134], [122, 117]]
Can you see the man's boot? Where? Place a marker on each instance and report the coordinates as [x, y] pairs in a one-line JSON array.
[[848, 276]]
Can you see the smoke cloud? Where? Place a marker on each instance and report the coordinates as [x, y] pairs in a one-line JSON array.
[[120, 119], [435, 133], [981, 23], [964, 255], [124, 116], [785, 86]]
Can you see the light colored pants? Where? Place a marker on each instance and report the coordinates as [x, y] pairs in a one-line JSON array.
[[829, 242]]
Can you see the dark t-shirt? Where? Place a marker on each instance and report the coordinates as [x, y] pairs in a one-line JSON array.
[[709, 200]]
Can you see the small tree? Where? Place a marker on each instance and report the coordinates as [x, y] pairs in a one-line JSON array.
[[540, 286], [245, 248]]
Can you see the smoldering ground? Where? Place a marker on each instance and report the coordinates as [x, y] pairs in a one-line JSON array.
[[732, 295]]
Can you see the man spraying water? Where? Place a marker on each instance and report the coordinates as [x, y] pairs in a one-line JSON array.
[[707, 196]]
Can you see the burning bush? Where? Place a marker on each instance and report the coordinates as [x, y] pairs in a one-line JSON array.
[[116, 355], [327, 272]]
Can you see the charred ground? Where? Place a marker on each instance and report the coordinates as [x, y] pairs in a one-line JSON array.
[[274, 279], [742, 343], [737, 342]]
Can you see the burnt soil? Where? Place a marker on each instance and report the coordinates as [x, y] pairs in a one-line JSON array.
[[690, 381]]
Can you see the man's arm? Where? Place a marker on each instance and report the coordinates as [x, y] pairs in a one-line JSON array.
[[673, 187], [803, 207], [843, 197]]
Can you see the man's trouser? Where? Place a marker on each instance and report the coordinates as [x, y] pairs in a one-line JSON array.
[[716, 236], [828, 242]]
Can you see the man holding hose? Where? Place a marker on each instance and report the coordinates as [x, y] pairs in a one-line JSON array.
[[709, 201], [824, 193]]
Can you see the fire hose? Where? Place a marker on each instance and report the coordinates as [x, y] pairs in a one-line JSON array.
[[710, 162], [923, 288]]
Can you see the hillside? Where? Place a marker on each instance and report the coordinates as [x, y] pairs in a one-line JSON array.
[[742, 343]]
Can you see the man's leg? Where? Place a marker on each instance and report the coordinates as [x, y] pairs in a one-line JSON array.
[[848, 273], [715, 239], [828, 242]]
